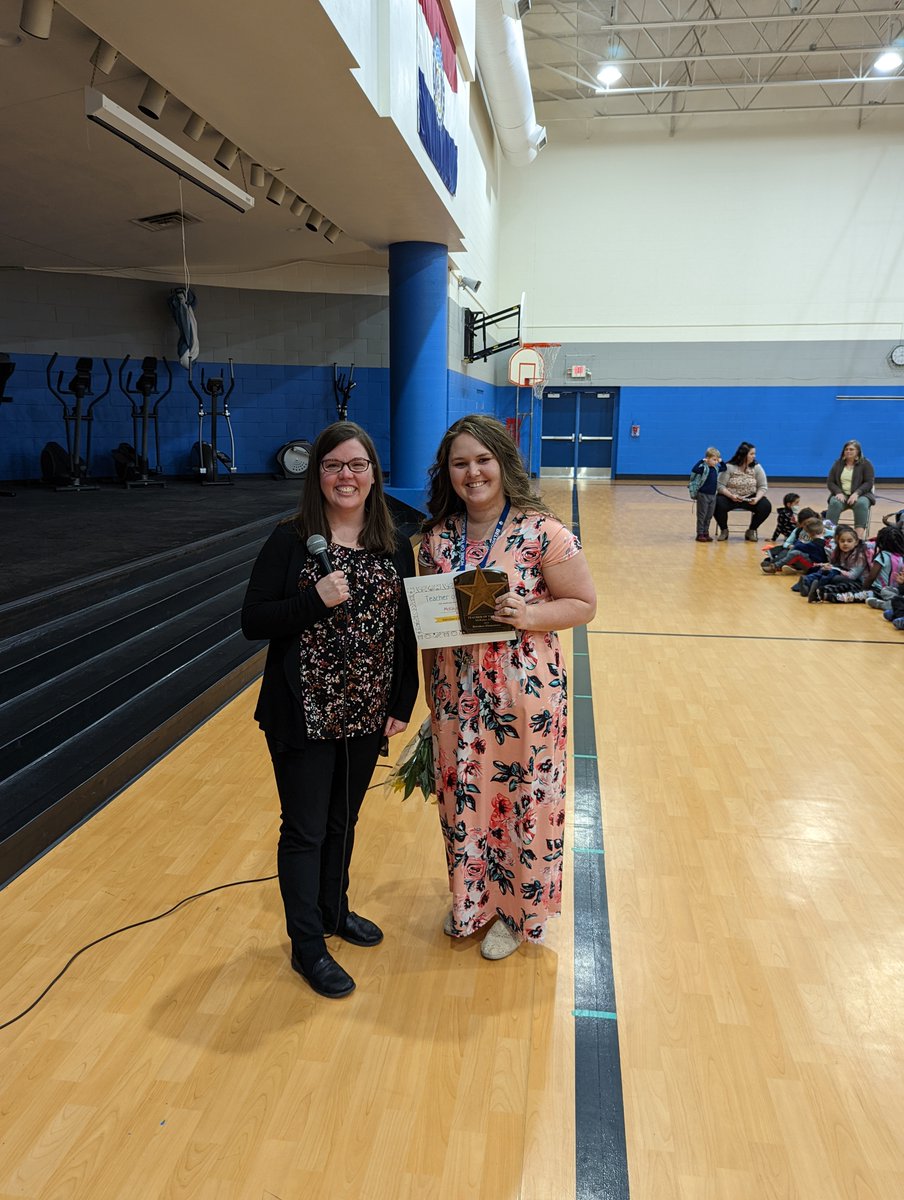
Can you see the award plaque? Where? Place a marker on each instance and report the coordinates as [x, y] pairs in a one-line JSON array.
[[476, 592]]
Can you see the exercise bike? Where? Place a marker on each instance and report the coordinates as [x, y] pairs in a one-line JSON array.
[[65, 468]]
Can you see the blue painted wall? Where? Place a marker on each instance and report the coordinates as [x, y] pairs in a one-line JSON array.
[[798, 431], [271, 403]]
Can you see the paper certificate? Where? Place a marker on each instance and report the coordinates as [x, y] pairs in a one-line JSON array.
[[434, 614]]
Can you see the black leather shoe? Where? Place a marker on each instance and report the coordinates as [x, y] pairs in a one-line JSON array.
[[326, 976], [360, 932]]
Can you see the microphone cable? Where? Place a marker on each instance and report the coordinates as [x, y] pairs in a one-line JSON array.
[[124, 929]]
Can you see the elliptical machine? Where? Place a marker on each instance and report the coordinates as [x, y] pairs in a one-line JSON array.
[[132, 461], [7, 366], [65, 468], [210, 458]]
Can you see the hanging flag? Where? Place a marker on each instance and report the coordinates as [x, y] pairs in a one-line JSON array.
[[437, 91]]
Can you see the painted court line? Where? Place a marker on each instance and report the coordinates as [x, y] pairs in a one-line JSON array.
[[601, 1161], [748, 637]]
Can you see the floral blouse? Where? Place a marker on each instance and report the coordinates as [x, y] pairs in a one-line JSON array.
[[355, 641]]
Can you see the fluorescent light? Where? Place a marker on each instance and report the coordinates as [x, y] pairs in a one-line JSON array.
[[103, 111], [608, 74], [889, 61]]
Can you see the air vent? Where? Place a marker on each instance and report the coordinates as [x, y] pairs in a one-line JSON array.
[[167, 220]]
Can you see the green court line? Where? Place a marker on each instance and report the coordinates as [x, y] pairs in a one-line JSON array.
[[583, 756], [587, 850], [590, 1012]]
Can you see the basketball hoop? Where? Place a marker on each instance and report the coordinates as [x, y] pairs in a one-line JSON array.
[[533, 364]]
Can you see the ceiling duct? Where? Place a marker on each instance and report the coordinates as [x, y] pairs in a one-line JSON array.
[[503, 71]]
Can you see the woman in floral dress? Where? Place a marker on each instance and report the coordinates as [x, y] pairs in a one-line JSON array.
[[499, 709]]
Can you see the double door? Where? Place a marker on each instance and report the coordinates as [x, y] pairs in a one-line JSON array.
[[577, 432]]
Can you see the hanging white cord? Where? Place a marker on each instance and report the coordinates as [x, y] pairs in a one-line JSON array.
[[182, 231]]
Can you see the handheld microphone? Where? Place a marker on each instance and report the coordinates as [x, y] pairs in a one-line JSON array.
[[317, 548]]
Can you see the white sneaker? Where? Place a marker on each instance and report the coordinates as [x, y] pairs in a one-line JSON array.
[[500, 942]]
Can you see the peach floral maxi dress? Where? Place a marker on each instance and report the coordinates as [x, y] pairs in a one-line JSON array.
[[499, 714]]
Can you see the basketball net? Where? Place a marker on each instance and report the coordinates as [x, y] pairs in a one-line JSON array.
[[549, 353]]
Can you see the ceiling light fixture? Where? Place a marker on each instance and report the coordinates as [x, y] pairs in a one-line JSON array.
[[226, 154], [194, 127], [887, 62], [276, 192], [332, 233], [152, 99], [314, 220], [297, 207], [36, 17], [104, 56], [102, 111], [608, 74], [258, 175]]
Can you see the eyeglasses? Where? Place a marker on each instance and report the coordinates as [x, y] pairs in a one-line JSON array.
[[332, 466]]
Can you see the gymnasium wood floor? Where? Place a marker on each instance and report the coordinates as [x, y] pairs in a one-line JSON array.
[[751, 770]]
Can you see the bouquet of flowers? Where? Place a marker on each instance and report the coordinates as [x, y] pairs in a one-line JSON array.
[[415, 765]]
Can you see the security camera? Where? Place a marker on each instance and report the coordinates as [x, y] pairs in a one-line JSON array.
[[471, 284]]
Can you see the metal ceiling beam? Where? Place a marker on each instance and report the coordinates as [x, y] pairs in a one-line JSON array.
[[833, 51], [705, 23], [850, 81], [722, 112]]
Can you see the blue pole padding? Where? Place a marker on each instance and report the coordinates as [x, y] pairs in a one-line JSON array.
[[418, 362]]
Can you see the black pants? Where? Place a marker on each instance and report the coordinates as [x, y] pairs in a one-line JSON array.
[[758, 514], [319, 809]]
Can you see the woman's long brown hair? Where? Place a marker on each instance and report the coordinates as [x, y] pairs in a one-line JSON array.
[[442, 500], [378, 533]]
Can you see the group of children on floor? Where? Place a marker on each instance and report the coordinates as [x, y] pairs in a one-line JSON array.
[[832, 563]]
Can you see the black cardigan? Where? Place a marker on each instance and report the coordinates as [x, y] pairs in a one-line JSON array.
[[276, 610]]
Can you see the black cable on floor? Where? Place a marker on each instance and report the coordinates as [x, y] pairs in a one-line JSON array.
[[668, 496], [135, 925]]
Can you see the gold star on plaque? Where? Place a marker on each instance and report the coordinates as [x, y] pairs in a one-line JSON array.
[[482, 591]]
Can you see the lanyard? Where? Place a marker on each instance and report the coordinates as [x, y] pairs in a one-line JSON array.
[[503, 516]]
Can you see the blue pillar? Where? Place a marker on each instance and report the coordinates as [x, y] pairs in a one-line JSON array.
[[418, 360]]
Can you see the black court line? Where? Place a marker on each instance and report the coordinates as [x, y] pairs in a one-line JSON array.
[[751, 637], [600, 1153]]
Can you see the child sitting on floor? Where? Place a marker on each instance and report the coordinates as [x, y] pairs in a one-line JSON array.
[[843, 572], [702, 486], [786, 517], [888, 560], [804, 548], [895, 611]]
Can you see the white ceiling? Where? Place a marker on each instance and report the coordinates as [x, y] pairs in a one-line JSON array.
[[274, 78], [685, 58]]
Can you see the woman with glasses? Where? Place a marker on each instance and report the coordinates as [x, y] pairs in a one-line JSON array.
[[851, 482], [340, 675]]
